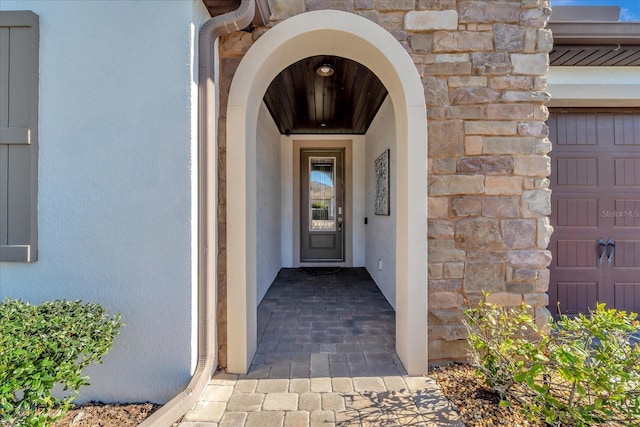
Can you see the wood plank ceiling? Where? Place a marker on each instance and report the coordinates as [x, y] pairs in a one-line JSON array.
[[303, 102], [219, 7], [585, 55]]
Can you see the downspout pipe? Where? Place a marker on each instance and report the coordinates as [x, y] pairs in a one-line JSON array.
[[207, 208]]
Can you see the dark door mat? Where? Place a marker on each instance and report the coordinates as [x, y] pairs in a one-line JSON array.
[[321, 271]]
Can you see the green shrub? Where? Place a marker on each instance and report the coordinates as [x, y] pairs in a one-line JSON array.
[[505, 345], [598, 370], [47, 345], [585, 372]]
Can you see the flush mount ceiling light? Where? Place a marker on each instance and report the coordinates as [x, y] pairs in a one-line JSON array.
[[325, 70]]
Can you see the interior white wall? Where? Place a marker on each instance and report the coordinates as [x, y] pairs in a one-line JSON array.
[[380, 231], [356, 190], [268, 204], [594, 86], [359, 200], [286, 197], [117, 223]]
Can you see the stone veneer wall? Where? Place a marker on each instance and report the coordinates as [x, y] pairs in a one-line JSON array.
[[484, 67]]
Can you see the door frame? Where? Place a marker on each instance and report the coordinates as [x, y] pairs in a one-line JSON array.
[[298, 146], [328, 32], [339, 203]]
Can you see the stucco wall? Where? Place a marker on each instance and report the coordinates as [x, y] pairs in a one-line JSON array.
[[380, 230], [269, 203], [116, 198], [594, 86]]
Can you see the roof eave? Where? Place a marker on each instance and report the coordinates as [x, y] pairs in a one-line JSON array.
[[595, 32]]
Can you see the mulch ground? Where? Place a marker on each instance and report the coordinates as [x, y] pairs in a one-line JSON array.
[[107, 415], [476, 404]]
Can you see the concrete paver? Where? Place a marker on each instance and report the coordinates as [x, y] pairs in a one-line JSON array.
[[246, 402], [233, 419], [342, 385], [321, 385], [299, 385], [394, 383], [321, 418], [206, 412], [280, 402], [198, 424], [309, 402], [265, 418], [368, 384], [326, 357], [217, 393], [272, 386], [333, 402], [296, 419], [244, 385]]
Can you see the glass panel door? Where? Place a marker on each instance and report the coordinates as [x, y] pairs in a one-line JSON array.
[[322, 194], [321, 205]]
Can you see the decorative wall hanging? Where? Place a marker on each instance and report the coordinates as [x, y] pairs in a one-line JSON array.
[[382, 184]]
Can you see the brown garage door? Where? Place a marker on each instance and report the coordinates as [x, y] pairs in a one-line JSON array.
[[595, 210]]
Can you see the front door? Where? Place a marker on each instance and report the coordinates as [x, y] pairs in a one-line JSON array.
[[595, 210], [322, 206]]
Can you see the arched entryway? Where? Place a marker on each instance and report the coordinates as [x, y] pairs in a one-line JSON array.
[[350, 36]]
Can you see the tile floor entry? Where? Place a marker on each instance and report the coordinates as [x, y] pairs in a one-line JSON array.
[[321, 322], [325, 357]]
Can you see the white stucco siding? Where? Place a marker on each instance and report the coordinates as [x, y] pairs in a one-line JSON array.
[[359, 200], [269, 202], [594, 86], [117, 224], [380, 230]]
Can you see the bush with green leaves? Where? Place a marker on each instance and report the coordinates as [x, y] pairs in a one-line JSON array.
[[504, 344], [584, 371], [45, 346]]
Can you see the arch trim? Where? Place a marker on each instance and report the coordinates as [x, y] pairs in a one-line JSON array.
[[328, 32]]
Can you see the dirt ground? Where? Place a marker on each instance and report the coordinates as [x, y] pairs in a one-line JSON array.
[[477, 406], [107, 415]]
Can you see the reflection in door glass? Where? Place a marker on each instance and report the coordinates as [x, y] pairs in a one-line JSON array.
[[322, 194]]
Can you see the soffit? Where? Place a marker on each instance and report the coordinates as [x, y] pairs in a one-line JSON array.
[[613, 55], [302, 102], [220, 7]]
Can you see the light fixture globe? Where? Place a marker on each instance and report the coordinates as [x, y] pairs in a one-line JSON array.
[[325, 70]]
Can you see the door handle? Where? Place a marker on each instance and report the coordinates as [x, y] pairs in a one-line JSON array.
[[603, 250], [339, 223], [611, 244]]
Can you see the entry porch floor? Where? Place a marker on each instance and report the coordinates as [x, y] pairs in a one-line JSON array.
[[326, 357]]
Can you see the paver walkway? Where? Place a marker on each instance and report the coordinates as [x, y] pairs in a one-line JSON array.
[[326, 357]]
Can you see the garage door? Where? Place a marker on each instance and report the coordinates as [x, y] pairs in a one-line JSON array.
[[595, 210]]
